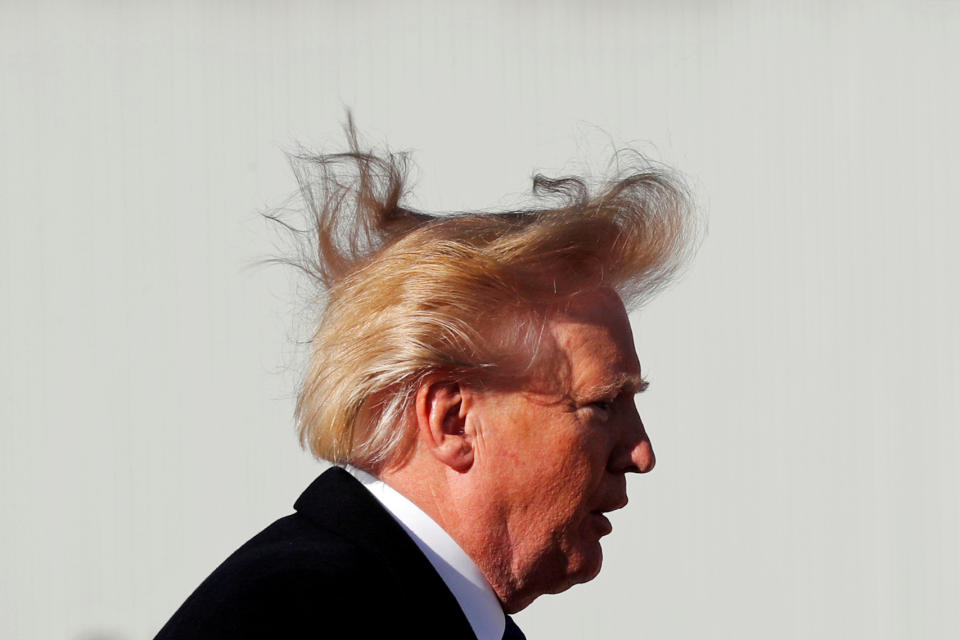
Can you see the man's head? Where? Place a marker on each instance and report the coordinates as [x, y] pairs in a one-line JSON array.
[[485, 360], [551, 458]]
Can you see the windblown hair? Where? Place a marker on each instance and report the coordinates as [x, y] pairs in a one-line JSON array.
[[409, 294]]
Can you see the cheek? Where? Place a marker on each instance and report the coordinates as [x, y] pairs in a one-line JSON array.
[[553, 495], [565, 492]]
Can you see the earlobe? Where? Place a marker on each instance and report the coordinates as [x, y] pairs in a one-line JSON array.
[[442, 423]]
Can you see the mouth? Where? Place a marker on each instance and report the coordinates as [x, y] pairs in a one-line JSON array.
[[601, 522], [613, 505], [619, 504]]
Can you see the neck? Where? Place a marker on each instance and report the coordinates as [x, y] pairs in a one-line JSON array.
[[454, 501]]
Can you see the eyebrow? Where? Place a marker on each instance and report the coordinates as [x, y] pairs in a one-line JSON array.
[[622, 383]]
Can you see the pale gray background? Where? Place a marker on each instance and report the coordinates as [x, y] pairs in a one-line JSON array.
[[806, 371]]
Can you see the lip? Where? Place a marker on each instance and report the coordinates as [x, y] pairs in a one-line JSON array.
[[602, 523], [613, 506]]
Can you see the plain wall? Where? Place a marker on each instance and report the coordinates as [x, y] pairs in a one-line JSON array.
[[806, 369]]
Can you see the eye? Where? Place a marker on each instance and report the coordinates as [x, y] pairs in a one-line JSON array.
[[601, 408]]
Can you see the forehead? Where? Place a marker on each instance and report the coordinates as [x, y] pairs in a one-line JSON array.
[[594, 337]]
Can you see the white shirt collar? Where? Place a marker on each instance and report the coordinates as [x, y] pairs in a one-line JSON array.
[[458, 571]]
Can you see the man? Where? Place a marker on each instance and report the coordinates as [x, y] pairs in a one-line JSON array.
[[472, 377]]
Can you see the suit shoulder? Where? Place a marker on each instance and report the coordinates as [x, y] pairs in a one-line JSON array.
[[295, 543], [282, 579]]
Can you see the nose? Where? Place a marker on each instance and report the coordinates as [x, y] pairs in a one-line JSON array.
[[635, 452], [643, 457]]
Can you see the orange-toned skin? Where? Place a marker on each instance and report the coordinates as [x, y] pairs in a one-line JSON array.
[[521, 478]]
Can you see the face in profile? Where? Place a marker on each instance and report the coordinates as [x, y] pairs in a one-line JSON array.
[[560, 458]]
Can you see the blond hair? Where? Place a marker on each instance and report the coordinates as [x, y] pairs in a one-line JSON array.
[[409, 294]]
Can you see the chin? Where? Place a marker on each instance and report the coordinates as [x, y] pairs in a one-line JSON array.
[[596, 565], [568, 569], [588, 565]]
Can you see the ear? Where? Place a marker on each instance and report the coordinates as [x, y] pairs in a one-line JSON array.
[[441, 409]]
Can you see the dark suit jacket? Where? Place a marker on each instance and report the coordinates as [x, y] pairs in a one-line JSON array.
[[340, 565]]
